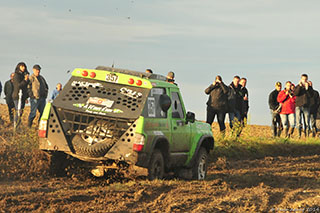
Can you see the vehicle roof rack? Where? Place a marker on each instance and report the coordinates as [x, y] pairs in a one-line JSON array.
[[134, 73]]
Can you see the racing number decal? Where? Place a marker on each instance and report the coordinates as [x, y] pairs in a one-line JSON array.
[[112, 78]]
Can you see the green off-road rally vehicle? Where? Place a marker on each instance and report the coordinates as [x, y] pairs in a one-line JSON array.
[[109, 116]]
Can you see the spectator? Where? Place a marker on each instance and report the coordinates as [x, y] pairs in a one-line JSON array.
[[235, 101], [8, 90], [245, 95], [1, 121], [149, 71], [20, 82], [303, 91], [170, 78], [217, 102], [56, 91], [288, 101], [38, 92], [314, 105], [275, 108]]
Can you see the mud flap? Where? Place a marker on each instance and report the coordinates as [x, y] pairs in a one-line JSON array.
[[123, 148], [56, 139]]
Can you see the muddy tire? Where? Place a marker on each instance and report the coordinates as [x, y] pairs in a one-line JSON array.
[[82, 147], [156, 166], [199, 170]]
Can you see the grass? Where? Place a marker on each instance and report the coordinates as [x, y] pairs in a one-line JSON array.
[[257, 142], [20, 151]]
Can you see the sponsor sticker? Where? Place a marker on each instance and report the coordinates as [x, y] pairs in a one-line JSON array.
[[85, 84], [102, 110], [130, 93], [158, 133], [100, 101]]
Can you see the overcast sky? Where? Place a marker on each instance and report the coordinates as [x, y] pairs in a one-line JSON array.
[[265, 41]]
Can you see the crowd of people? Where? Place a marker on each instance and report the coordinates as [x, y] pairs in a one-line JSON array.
[[232, 99], [296, 106], [22, 88]]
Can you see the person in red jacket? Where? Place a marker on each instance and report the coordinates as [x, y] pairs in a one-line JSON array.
[[287, 113]]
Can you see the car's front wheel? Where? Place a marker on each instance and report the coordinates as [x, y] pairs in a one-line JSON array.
[[156, 166], [199, 170]]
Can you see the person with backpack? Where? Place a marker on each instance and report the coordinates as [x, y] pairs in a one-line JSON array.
[[275, 107], [217, 102], [288, 101]]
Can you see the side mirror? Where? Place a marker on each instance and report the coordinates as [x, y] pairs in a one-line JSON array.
[[165, 102], [191, 117]]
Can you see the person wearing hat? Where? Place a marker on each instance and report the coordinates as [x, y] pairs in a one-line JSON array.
[[170, 78], [275, 107], [38, 92], [149, 71]]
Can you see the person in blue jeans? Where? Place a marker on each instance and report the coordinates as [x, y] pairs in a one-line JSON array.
[[38, 92], [235, 101], [304, 92]]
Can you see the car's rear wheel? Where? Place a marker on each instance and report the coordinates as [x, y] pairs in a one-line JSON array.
[[81, 147], [199, 170], [156, 166], [95, 141]]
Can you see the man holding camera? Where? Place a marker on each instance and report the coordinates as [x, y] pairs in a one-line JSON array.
[[217, 102], [304, 92]]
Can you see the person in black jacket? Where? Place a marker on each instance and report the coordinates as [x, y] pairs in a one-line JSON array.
[[303, 91], [274, 105], [1, 121], [217, 102], [8, 90], [20, 82], [245, 95], [314, 105], [235, 101]]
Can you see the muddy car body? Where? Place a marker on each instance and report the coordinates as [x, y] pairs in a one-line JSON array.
[[108, 115]]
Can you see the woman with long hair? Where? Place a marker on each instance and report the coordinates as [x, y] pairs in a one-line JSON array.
[[20, 82]]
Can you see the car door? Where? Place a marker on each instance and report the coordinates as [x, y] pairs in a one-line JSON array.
[[181, 135]]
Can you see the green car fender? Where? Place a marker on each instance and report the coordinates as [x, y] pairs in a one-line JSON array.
[[202, 138]]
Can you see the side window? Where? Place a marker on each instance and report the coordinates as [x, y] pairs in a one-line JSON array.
[[176, 107], [152, 107]]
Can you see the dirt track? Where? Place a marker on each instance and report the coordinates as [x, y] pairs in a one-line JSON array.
[[273, 183], [254, 185]]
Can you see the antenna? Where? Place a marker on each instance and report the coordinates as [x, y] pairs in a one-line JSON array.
[[112, 64]]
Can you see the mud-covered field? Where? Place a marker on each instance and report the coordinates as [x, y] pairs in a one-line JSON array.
[[283, 182]]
